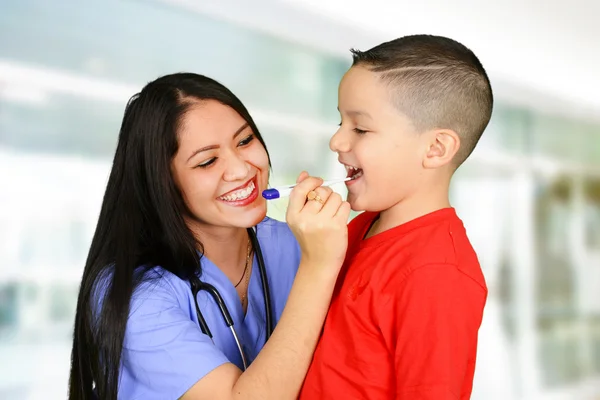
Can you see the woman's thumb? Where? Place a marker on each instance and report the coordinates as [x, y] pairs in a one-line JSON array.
[[303, 175]]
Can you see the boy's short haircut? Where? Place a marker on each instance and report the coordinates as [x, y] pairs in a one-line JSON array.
[[437, 83]]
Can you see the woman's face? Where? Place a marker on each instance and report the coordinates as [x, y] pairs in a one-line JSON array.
[[220, 168]]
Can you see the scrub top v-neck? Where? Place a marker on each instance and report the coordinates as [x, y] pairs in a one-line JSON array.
[[165, 353]]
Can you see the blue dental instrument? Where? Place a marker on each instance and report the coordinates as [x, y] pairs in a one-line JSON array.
[[284, 191]]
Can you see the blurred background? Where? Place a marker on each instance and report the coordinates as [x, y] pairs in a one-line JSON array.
[[529, 195]]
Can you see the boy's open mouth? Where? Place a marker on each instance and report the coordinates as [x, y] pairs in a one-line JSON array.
[[353, 172]]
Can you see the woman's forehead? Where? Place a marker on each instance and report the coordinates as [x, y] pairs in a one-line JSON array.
[[209, 121]]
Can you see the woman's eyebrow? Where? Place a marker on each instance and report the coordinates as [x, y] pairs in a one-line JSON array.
[[240, 130], [216, 146]]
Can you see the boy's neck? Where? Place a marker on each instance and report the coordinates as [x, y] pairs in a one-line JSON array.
[[426, 201]]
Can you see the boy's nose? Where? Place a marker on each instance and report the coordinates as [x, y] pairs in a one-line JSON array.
[[237, 168], [339, 143]]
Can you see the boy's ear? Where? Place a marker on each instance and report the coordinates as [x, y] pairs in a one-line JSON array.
[[443, 145]]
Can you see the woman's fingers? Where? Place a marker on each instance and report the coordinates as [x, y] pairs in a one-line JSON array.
[[317, 198], [332, 205], [300, 192], [303, 175]]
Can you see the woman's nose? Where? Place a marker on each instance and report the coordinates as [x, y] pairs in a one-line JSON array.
[[237, 169]]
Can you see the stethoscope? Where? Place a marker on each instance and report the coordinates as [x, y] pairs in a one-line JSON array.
[[198, 285]]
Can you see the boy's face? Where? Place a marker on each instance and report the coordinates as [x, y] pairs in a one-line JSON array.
[[376, 142]]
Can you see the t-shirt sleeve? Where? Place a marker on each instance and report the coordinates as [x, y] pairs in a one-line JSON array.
[[165, 353], [430, 323]]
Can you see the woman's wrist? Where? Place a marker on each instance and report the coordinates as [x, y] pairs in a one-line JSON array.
[[318, 273]]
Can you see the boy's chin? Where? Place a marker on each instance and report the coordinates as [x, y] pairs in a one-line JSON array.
[[364, 203], [356, 204]]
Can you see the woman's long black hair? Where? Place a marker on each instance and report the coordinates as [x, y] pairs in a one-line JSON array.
[[141, 225]]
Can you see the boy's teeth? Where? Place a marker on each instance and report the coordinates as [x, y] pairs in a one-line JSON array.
[[240, 194], [354, 172]]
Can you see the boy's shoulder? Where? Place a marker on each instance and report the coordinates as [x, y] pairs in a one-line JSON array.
[[438, 239]]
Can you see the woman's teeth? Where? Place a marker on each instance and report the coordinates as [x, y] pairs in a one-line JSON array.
[[240, 194]]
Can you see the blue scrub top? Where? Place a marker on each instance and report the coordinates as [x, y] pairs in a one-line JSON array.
[[165, 353]]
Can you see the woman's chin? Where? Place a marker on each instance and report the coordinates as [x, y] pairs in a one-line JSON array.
[[251, 217], [260, 215]]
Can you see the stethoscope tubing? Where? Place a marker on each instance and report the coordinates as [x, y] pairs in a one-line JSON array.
[[197, 285]]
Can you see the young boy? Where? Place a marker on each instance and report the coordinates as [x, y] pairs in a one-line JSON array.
[[405, 315]]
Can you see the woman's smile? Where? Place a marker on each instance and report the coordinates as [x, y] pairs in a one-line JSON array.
[[242, 195]]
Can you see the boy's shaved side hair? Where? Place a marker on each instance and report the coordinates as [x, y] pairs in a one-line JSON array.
[[437, 83]]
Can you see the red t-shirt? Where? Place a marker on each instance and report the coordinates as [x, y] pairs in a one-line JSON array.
[[405, 315]]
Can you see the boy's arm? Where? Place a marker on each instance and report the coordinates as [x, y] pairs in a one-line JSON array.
[[431, 324]]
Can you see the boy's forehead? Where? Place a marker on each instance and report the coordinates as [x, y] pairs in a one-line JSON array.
[[360, 84], [358, 76]]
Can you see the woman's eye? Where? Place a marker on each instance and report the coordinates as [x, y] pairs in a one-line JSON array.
[[207, 163], [246, 140]]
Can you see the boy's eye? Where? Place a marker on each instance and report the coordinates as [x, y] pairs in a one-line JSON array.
[[246, 140], [356, 130], [207, 163]]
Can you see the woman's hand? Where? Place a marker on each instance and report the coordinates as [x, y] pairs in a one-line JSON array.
[[319, 223], [279, 369]]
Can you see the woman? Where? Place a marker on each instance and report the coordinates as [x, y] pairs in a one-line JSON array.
[[180, 209]]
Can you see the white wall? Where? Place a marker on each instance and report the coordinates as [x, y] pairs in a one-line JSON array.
[[543, 54], [550, 47]]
